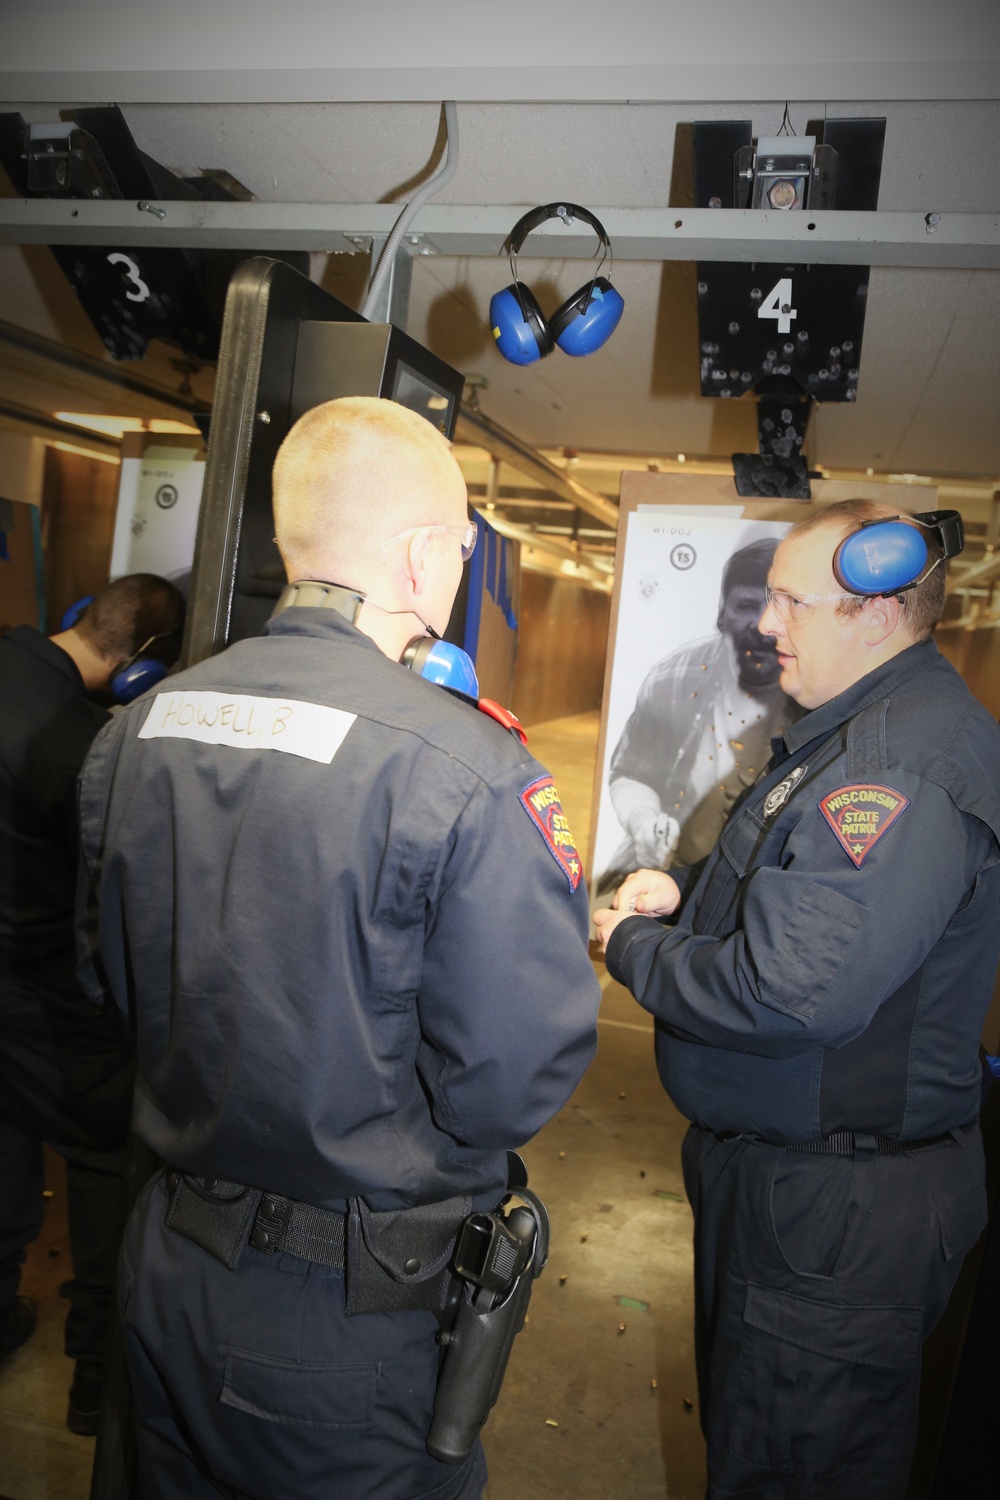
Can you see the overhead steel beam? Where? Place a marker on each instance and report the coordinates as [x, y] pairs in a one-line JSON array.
[[931, 239], [475, 428], [44, 350], [37, 423], [601, 567]]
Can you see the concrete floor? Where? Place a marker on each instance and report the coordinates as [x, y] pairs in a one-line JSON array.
[[600, 1393]]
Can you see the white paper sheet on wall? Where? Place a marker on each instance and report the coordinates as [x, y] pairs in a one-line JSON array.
[[159, 496]]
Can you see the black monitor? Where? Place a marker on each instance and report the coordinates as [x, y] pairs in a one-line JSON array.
[[287, 346]]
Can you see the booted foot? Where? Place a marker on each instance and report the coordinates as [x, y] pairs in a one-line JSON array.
[[17, 1324], [85, 1400]]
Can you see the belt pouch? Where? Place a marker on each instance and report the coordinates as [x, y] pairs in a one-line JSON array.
[[218, 1221], [398, 1260]]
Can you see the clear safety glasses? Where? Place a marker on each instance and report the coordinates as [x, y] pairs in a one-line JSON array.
[[790, 610], [467, 534]]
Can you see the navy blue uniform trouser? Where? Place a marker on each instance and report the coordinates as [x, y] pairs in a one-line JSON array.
[[253, 1383], [817, 1278], [66, 1078]]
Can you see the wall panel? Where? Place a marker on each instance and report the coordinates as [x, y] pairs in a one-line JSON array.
[[562, 640]]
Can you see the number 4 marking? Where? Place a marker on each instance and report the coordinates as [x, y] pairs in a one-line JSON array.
[[778, 304], [132, 274]]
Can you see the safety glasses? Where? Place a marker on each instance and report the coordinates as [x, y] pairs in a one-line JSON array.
[[790, 610], [467, 535]]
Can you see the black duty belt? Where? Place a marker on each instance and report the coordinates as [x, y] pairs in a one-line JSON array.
[[842, 1143], [395, 1260], [317, 1234], [204, 1209]]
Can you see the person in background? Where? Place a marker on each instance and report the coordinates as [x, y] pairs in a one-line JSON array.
[[351, 927], [65, 1066], [819, 993]]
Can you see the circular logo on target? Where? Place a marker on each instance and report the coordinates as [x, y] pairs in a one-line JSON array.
[[683, 556], [166, 496]]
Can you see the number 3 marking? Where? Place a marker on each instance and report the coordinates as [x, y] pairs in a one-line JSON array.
[[132, 274], [778, 304]]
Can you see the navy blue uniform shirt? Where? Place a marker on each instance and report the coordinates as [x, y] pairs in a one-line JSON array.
[[361, 976], [834, 956]]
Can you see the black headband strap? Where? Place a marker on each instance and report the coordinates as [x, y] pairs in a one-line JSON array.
[[946, 524], [537, 216]]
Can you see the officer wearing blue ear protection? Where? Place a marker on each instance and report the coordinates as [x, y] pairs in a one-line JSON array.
[[350, 925], [65, 1067], [819, 992]]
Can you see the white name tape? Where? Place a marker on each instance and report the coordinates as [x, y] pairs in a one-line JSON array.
[[308, 729]]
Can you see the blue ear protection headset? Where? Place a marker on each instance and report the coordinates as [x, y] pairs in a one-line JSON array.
[[137, 672], [427, 655], [579, 326], [887, 557]]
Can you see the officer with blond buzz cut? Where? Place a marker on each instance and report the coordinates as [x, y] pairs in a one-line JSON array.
[[344, 910], [819, 984]]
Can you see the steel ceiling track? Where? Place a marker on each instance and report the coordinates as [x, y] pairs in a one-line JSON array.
[[475, 428], [37, 346], [919, 239]]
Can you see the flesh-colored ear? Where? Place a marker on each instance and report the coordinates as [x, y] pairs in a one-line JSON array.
[[416, 560], [883, 616]]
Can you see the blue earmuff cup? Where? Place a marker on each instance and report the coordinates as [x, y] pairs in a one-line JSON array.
[[516, 338], [591, 326], [880, 559], [445, 664], [136, 678], [74, 612]]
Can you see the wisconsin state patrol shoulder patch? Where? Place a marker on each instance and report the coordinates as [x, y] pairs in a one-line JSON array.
[[541, 802], [860, 814]]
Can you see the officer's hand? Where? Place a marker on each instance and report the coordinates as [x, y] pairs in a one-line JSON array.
[[654, 835], [606, 920], [648, 893]]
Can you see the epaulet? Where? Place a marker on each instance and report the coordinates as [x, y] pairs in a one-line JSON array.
[[505, 717]]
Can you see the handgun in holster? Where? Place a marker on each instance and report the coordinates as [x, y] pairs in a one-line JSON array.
[[497, 1257]]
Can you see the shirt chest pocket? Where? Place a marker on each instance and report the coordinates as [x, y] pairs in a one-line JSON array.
[[738, 848]]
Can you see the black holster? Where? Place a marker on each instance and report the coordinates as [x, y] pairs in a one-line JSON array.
[[478, 1347]]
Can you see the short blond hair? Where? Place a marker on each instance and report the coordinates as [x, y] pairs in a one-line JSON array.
[[921, 607], [350, 474]]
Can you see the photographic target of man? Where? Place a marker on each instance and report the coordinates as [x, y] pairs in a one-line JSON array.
[[694, 698]]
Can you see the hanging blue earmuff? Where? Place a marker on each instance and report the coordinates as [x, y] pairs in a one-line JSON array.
[[580, 326], [135, 674], [887, 557]]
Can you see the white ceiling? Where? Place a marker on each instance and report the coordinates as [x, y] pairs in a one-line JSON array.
[[929, 391], [252, 50]]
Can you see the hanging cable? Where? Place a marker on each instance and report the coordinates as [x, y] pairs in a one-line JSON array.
[[433, 184], [786, 125]]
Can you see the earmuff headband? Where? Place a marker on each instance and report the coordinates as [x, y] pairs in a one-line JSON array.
[[947, 524], [537, 216], [564, 211]]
